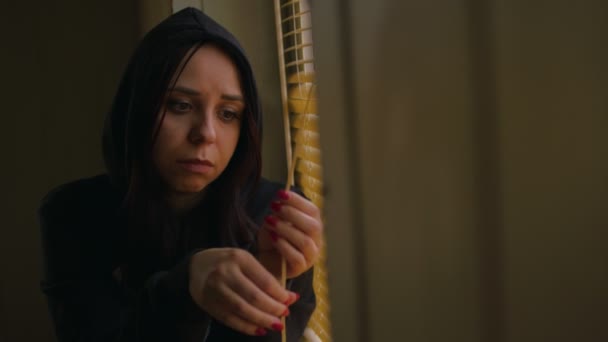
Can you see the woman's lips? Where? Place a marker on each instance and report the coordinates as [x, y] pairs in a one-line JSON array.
[[196, 165]]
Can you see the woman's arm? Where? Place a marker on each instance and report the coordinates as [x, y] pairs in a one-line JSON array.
[[85, 300], [91, 306]]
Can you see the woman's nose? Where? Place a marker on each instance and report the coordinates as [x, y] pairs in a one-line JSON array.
[[203, 130]]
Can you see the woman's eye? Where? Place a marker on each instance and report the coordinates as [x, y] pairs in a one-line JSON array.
[[227, 115], [178, 106]]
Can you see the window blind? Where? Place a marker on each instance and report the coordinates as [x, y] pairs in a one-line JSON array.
[[296, 60]]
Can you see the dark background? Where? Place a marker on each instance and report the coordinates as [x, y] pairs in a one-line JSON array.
[[61, 61]]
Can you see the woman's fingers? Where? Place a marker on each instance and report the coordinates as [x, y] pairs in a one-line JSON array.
[[262, 278], [253, 295], [309, 225], [299, 202], [296, 262], [303, 244], [235, 311], [300, 212], [296, 230], [216, 304], [233, 287]]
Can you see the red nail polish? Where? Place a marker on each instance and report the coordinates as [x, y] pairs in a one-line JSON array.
[[297, 297], [271, 220], [286, 313], [273, 236], [276, 206], [260, 332], [283, 195], [277, 326]]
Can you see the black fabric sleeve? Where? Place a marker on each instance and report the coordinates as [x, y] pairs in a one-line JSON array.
[[85, 300], [303, 308]]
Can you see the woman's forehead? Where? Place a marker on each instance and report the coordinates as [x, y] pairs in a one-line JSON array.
[[208, 67]]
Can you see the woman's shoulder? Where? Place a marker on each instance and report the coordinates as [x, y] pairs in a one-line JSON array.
[[77, 228], [82, 195], [78, 193]]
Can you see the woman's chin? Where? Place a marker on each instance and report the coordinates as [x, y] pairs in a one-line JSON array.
[[190, 187]]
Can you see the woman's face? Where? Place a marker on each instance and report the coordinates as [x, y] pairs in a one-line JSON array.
[[200, 130]]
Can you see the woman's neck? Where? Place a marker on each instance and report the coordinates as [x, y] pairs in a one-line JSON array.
[[183, 202]]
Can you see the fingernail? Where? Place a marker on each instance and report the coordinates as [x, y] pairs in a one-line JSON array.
[[276, 206], [286, 313], [271, 220], [260, 332], [277, 326], [273, 235], [292, 298], [283, 195]]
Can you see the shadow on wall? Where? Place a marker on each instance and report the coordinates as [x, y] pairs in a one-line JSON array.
[[63, 64]]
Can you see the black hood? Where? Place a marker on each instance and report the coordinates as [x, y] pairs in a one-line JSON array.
[[128, 130]]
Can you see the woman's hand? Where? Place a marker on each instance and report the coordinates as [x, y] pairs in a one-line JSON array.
[[234, 288], [293, 231]]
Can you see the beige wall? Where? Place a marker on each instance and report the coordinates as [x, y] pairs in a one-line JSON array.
[[553, 115], [151, 12], [252, 22], [465, 155]]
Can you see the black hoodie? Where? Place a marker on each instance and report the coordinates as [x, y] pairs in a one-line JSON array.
[[83, 231]]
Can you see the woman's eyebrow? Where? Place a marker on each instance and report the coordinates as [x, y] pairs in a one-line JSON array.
[[185, 90], [231, 97], [189, 91]]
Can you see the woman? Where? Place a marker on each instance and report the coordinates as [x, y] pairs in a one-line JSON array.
[[181, 239]]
